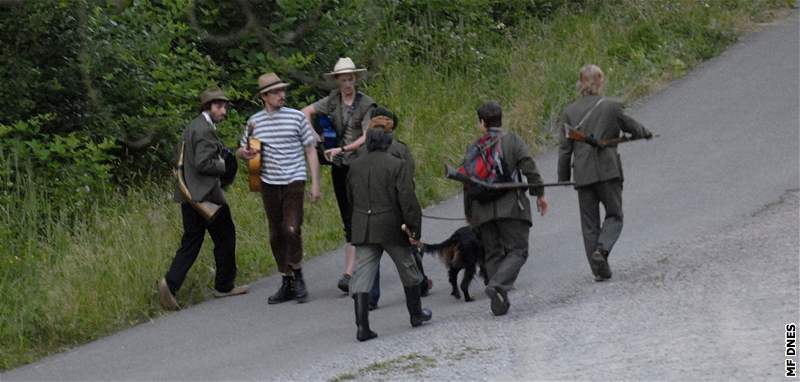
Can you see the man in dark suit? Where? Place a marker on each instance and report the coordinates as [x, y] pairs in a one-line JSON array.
[[381, 193], [202, 167], [503, 224], [597, 168]]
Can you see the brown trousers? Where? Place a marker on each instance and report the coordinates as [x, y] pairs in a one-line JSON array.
[[284, 208]]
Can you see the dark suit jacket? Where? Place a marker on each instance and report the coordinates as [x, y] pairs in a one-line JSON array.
[[513, 204], [202, 162], [382, 198], [591, 164]]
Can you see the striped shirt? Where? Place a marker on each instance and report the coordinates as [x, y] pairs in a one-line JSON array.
[[284, 134]]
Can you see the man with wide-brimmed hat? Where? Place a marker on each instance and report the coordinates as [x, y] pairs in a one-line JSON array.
[[285, 136], [202, 167], [348, 109]]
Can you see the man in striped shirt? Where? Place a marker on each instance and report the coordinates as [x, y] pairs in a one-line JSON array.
[[285, 135]]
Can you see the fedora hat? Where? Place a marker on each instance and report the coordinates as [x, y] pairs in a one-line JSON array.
[[344, 65], [270, 81], [213, 94]]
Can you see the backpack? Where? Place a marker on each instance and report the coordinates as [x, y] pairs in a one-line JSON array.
[[484, 161]]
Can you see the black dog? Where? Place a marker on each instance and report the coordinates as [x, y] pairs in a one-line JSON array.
[[463, 250]]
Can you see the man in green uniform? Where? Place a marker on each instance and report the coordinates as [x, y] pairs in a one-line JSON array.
[[382, 198], [503, 224], [597, 169]]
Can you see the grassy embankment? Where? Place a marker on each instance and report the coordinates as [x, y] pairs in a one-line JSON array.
[[62, 286]]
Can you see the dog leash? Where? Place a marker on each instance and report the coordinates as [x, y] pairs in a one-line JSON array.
[[442, 218]]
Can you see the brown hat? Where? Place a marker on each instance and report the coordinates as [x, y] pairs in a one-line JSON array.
[[270, 81], [213, 94]]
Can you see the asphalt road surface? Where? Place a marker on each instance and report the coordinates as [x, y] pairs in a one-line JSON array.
[[705, 273]]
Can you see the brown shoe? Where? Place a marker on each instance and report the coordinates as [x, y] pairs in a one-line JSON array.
[[165, 296], [242, 289]]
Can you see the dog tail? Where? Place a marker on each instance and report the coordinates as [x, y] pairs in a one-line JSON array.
[[432, 248]]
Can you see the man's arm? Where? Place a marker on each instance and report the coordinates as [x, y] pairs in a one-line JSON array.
[[631, 126], [309, 112], [409, 205], [527, 166], [207, 159], [564, 151], [313, 165]]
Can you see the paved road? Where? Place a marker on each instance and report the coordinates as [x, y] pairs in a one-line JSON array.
[[706, 271]]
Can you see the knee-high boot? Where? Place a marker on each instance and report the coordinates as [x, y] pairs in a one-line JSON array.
[[414, 305], [361, 301]]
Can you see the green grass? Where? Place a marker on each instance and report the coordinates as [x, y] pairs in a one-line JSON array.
[[65, 281]]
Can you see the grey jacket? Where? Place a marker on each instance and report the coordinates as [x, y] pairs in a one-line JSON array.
[[514, 204], [202, 162], [382, 197], [591, 164]]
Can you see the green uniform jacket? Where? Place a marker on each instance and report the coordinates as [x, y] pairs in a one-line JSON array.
[[399, 150], [383, 198], [514, 204], [591, 164], [202, 162]]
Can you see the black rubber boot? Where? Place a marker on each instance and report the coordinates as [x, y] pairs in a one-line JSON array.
[[361, 302], [300, 292], [414, 304], [285, 293]]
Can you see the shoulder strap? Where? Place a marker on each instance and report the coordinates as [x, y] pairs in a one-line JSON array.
[[588, 113]]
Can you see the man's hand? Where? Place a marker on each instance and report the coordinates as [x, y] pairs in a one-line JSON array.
[[246, 153], [331, 153], [314, 194], [413, 242], [541, 205]]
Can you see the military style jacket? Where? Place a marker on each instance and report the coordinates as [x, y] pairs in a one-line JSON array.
[[399, 150], [202, 162], [591, 164], [382, 197], [514, 204]]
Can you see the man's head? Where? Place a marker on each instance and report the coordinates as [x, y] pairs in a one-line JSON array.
[[272, 91], [381, 125], [490, 114], [590, 80], [346, 75], [383, 118], [215, 103]]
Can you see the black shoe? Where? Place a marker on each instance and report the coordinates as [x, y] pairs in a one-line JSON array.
[[600, 267], [500, 303], [300, 292], [361, 300], [414, 304], [344, 283], [285, 293]]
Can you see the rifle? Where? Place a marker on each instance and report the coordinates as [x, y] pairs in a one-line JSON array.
[[452, 173], [579, 136]]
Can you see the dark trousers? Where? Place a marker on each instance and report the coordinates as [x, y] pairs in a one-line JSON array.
[[284, 207], [222, 232], [339, 180], [505, 243], [595, 235]]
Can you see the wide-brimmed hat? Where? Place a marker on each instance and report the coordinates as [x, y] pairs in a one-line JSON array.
[[213, 94], [345, 65], [270, 81]]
